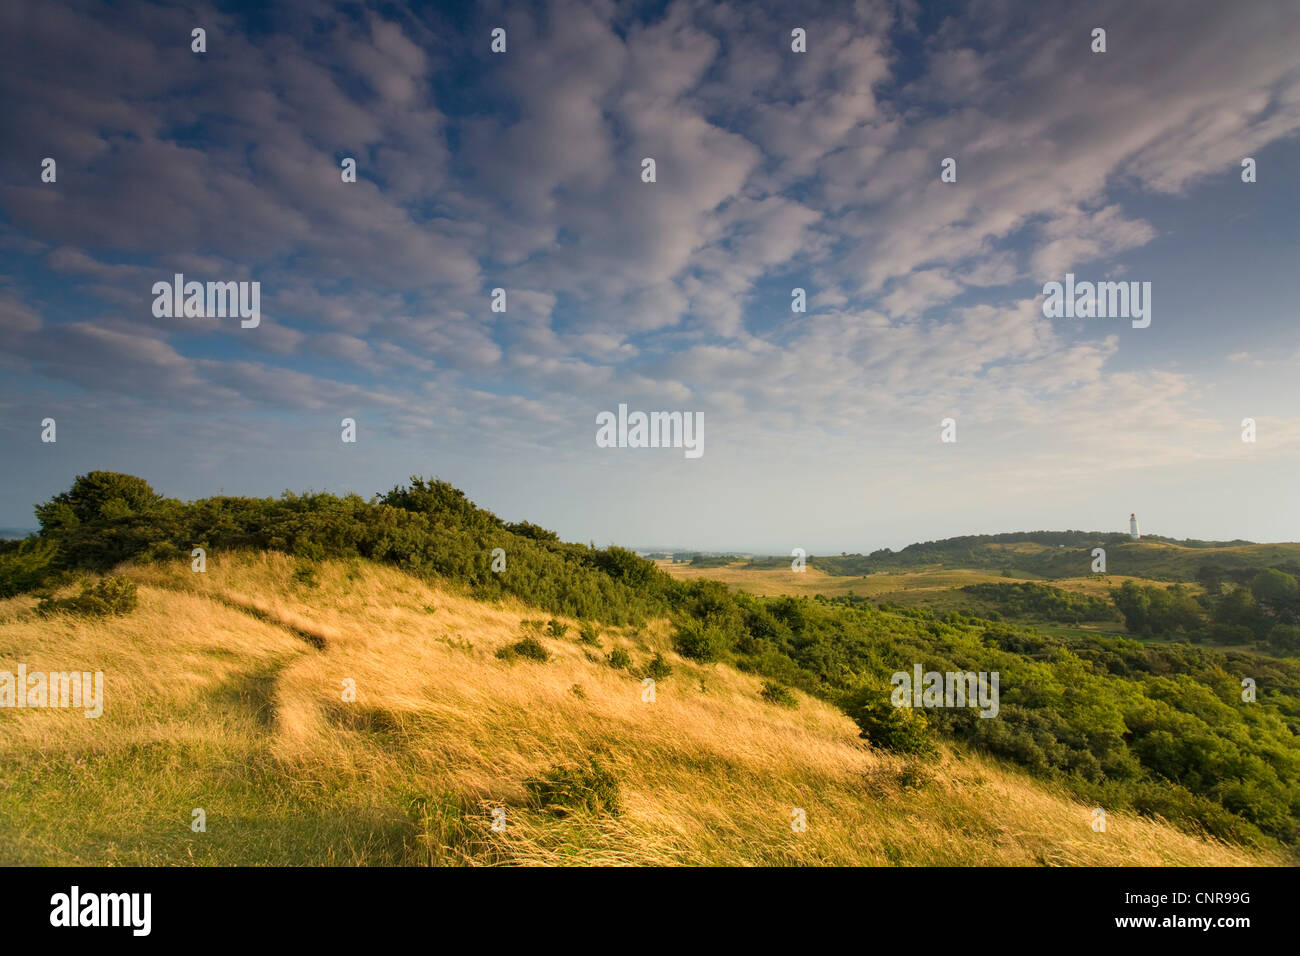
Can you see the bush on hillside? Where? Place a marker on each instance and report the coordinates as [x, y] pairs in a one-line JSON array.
[[529, 648], [305, 574], [1284, 638], [900, 729], [562, 790], [699, 641], [109, 596], [657, 668], [774, 693]]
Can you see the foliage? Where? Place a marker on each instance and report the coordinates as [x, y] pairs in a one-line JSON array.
[[699, 640], [426, 527], [592, 787], [529, 648], [108, 596], [1149, 610], [658, 668], [1042, 602], [775, 693], [26, 565], [305, 574], [900, 729]]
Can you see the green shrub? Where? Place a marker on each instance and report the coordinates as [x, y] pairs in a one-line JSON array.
[[589, 633], [563, 790], [619, 659], [900, 729], [658, 668], [305, 574], [110, 595], [775, 693], [556, 628], [700, 642], [1284, 638], [529, 648], [25, 565]]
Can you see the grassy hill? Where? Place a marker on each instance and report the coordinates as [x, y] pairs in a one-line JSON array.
[[1050, 555], [224, 693], [1162, 728]]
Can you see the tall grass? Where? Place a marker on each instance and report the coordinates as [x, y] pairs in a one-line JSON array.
[[224, 691]]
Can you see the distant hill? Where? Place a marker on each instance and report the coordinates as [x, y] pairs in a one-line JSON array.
[[1062, 554]]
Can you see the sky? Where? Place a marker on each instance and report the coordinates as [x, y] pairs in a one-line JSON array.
[[774, 170]]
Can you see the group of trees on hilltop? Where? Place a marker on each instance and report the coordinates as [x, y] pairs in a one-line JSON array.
[[1162, 729], [427, 527]]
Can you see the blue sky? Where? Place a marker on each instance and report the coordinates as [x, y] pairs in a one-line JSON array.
[[775, 169]]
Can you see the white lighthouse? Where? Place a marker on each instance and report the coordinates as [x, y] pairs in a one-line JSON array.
[[1133, 527]]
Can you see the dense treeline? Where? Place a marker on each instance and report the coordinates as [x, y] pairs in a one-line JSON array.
[[1042, 602], [1160, 728], [426, 527], [1264, 608], [712, 560]]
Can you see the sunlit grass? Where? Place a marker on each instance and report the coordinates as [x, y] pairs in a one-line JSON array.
[[224, 691]]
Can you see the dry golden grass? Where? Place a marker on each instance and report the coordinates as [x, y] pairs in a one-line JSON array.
[[224, 691], [810, 581], [937, 589]]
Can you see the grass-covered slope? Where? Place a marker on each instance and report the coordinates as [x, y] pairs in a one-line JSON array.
[[1164, 730], [224, 692]]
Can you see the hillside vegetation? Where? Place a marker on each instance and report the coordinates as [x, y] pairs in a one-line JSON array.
[[1168, 731], [224, 693]]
